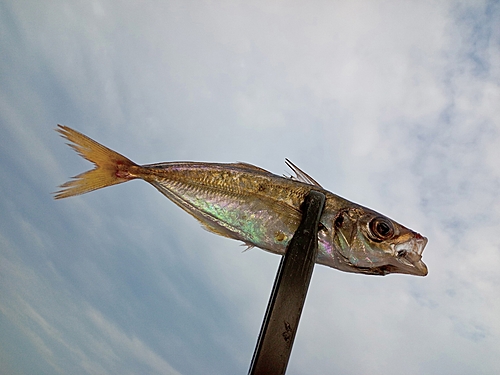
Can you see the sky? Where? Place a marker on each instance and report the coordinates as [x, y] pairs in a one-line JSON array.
[[391, 104]]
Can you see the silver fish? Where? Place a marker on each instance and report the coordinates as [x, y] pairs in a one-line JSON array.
[[250, 204]]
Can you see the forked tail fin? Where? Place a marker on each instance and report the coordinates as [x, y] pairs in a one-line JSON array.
[[111, 168]]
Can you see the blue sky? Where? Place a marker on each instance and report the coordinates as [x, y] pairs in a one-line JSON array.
[[391, 104]]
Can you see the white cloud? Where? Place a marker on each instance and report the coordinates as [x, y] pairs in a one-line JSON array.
[[390, 104]]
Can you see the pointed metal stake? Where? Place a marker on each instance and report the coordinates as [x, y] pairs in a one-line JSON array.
[[277, 333]]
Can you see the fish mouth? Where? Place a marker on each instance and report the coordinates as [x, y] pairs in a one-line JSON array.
[[408, 256]]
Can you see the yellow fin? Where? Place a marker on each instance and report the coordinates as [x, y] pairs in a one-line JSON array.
[[111, 168]]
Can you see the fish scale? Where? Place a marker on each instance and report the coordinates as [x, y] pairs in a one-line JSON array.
[[240, 209], [249, 204]]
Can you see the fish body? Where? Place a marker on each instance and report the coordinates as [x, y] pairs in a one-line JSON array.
[[247, 203]]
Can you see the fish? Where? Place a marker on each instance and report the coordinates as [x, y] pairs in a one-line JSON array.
[[250, 204]]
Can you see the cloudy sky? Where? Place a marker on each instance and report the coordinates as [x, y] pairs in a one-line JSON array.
[[391, 104]]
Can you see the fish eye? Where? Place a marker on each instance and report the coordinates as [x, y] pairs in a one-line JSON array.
[[381, 229]]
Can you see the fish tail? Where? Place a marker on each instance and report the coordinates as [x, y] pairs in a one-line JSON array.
[[111, 168]]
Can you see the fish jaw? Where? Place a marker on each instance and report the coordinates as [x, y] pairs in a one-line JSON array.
[[408, 256]]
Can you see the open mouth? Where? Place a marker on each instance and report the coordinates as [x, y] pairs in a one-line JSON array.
[[416, 246], [409, 256], [419, 243]]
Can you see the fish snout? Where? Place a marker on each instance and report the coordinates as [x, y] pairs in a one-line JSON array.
[[408, 256], [419, 243]]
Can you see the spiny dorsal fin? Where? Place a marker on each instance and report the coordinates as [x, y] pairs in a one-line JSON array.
[[300, 175]]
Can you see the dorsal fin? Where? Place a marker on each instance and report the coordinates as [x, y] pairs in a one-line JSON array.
[[249, 167], [300, 175]]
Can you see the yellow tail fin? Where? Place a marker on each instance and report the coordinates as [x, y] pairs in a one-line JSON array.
[[111, 168]]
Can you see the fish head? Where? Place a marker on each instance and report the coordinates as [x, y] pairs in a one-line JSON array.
[[371, 243]]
